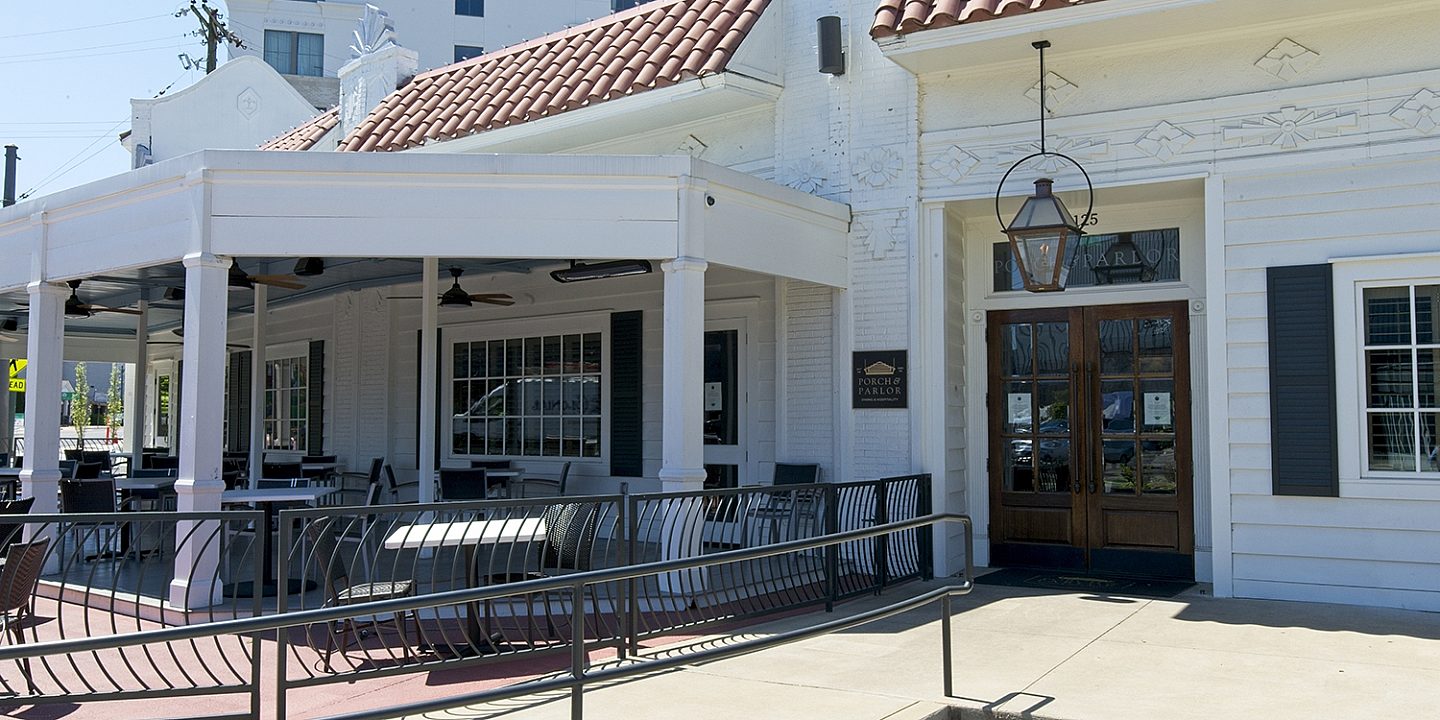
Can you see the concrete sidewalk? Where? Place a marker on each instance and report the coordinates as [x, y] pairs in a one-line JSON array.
[[1069, 656]]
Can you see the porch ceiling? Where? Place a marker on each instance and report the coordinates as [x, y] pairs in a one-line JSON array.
[[373, 216]]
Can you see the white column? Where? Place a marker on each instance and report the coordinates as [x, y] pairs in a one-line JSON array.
[[257, 383], [426, 462], [202, 399], [135, 387], [682, 448], [7, 403], [46, 352]]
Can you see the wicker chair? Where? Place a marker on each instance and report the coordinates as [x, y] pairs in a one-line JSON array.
[[18, 578]]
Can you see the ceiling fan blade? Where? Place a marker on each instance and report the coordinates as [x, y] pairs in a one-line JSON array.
[[122, 311], [233, 346], [280, 281], [502, 300]]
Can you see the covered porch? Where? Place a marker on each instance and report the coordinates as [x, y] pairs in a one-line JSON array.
[[175, 241]]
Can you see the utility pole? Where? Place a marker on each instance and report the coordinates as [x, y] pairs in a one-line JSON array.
[[12, 154], [212, 29]]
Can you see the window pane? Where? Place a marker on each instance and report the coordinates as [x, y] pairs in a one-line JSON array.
[[571, 446], [477, 360], [497, 359], [1018, 408], [533, 429], [1392, 441], [1429, 433], [1015, 349], [1427, 314], [551, 404], [513, 396], [465, 52], [1054, 407], [1117, 471], [1052, 465], [1157, 406], [1389, 375], [1387, 316], [572, 353], [1117, 406], [1157, 467], [513, 436], [310, 59], [1157, 345], [571, 405], [279, 51], [1117, 346], [1018, 466], [459, 434], [552, 436], [552, 355], [592, 437], [495, 437], [591, 353], [590, 404], [477, 437], [461, 401], [473, 8], [514, 357], [1052, 348], [462, 360], [1429, 380], [532, 356]]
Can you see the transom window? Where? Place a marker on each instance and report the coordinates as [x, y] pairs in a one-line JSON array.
[[295, 53], [527, 397], [287, 396], [1402, 389]]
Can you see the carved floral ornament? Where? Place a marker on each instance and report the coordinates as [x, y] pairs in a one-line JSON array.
[[808, 175], [374, 31], [877, 167]]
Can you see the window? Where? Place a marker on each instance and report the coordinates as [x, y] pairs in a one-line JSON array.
[[472, 8], [465, 52], [527, 396], [1401, 336], [287, 403], [295, 53], [618, 5]]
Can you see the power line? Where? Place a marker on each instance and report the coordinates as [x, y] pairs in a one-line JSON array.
[[167, 38], [82, 27], [87, 56]]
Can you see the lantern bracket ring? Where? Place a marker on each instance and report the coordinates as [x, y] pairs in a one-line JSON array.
[[1082, 221]]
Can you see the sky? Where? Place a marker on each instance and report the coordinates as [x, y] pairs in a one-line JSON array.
[[67, 74]]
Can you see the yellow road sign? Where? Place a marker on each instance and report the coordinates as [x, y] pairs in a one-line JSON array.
[[16, 366], [17, 385]]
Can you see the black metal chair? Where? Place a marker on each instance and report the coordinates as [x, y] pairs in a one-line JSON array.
[[90, 496], [10, 531], [163, 462], [332, 566], [88, 470], [792, 508], [463, 484], [557, 485], [18, 578], [394, 486]]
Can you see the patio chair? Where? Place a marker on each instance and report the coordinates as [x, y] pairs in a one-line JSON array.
[[90, 496], [393, 486], [163, 462], [18, 578], [10, 531], [782, 509], [557, 485], [372, 479], [88, 470], [569, 547], [151, 499], [463, 484], [67, 469], [332, 566]]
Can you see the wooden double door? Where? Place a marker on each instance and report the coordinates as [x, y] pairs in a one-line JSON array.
[[1089, 439]]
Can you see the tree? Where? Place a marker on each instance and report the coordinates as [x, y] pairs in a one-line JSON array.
[[114, 403], [80, 404]]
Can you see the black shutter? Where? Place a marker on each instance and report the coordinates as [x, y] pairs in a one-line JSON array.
[[626, 440], [315, 412], [239, 410], [1303, 437]]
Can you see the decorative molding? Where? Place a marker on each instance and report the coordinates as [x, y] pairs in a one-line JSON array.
[[881, 233], [1079, 149], [1290, 127], [1164, 141], [248, 102], [1288, 60], [808, 175], [877, 167], [977, 317], [954, 163], [1057, 91], [1197, 307], [374, 31], [1419, 111]]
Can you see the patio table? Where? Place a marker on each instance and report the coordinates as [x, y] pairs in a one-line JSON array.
[[266, 499], [469, 535]]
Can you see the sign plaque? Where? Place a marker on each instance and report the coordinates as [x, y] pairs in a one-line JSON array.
[[880, 379]]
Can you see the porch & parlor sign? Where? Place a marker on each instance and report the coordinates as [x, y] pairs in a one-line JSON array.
[[880, 380]]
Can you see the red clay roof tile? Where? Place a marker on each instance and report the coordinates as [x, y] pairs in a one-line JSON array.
[[306, 135], [901, 17], [652, 45]]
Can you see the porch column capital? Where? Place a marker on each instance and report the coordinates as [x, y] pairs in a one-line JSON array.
[[685, 263], [206, 260], [58, 290]]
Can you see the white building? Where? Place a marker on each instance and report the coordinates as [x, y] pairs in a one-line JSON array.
[[1237, 387]]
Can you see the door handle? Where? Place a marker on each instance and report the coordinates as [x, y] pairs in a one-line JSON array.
[[1091, 372], [1077, 442]]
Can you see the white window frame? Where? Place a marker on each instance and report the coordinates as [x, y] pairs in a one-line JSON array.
[[291, 351], [570, 324], [1352, 276]]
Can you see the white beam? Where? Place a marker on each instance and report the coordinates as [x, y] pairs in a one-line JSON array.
[[197, 554], [426, 462], [46, 352], [257, 383]]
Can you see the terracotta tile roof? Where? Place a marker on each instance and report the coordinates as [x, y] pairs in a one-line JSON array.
[[899, 17], [653, 45], [305, 136]]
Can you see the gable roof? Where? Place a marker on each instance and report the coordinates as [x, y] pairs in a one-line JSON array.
[[650, 46], [307, 134], [900, 17]]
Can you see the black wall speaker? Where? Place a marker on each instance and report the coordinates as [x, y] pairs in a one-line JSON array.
[[832, 52]]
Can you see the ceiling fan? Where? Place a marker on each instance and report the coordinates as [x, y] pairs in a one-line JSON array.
[[180, 333], [457, 297], [241, 279], [74, 308]]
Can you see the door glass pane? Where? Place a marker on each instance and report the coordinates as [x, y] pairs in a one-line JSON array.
[[1018, 407], [1052, 348], [1054, 407], [1157, 346], [1018, 465], [1117, 406], [1015, 349], [721, 380], [1387, 316], [1388, 375], [1052, 465], [1392, 441], [1157, 467], [1117, 346], [1117, 469], [1157, 406]]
